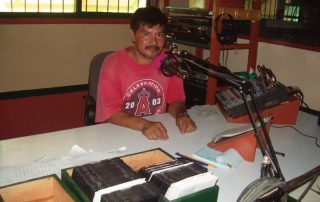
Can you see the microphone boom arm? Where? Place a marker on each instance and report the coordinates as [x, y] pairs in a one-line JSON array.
[[245, 87]]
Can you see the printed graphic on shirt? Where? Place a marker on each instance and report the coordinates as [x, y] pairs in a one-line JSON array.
[[144, 97]]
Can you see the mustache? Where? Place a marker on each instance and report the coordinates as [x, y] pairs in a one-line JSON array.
[[153, 47]]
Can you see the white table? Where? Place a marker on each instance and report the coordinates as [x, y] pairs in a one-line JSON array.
[[301, 152]]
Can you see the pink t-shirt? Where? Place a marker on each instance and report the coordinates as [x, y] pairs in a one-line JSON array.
[[137, 89]]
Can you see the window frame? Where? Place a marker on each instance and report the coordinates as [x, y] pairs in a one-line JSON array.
[[77, 14]]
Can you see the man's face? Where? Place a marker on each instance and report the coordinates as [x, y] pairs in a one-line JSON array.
[[148, 41]]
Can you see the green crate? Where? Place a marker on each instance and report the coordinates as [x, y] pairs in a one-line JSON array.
[[135, 161], [291, 199]]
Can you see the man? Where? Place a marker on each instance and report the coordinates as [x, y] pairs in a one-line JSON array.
[[131, 85]]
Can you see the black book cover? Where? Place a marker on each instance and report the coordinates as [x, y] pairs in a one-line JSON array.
[[96, 176], [164, 179]]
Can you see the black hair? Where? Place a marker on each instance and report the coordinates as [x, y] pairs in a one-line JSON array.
[[150, 16]]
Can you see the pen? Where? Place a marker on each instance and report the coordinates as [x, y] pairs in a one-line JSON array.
[[215, 164], [189, 158]]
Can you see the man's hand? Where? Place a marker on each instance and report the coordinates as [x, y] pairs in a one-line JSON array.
[[152, 130], [185, 123], [178, 110], [155, 131]]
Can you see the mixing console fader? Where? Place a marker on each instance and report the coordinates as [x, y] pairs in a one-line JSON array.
[[233, 104]]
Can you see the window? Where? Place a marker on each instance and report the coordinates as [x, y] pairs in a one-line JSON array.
[[49, 6], [269, 9], [280, 10], [285, 10], [70, 6], [291, 13], [115, 6], [289, 20]]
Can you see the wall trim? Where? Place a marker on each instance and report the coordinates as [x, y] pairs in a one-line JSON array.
[[284, 43], [290, 44], [43, 91], [64, 21]]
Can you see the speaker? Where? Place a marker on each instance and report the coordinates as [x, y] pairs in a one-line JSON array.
[[228, 33]]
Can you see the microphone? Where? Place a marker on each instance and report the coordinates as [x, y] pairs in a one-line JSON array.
[[170, 65]]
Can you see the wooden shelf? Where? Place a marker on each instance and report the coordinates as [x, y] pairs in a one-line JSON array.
[[207, 46], [234, 8], [189, 43], [196, 12], [239, 13]]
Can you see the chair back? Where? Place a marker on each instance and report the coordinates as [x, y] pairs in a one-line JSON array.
[[94, 72], [90, 99]]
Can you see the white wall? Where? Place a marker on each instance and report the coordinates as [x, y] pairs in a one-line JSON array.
[[294, 67], [52, 55], [43, 56], [291, 66]]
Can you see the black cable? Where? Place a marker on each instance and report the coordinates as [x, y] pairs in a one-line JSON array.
[[301, 133], [298, 94], [301, 96], [305, 104]]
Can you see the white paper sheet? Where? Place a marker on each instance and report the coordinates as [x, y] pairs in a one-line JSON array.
[[191, 185], [43, 167]]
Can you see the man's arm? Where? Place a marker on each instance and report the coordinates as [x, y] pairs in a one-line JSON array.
[[152, 130], [178, 110]]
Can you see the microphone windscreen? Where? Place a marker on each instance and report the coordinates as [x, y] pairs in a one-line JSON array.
[[169, 66]]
